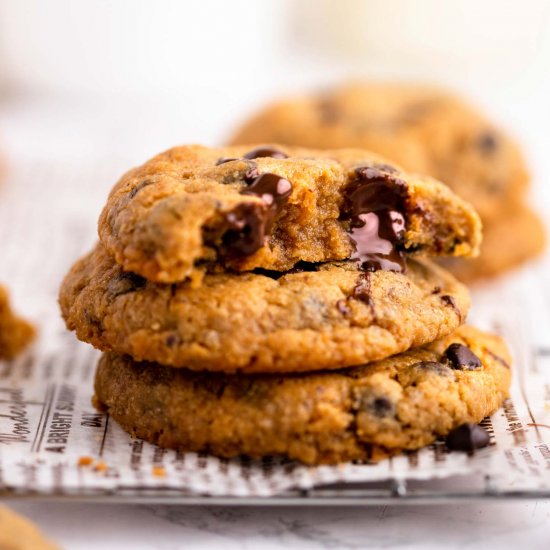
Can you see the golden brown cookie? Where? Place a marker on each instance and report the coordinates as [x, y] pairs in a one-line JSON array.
[[366, 412], [323, 316], [18, 533], [517, 236], [270, 207], [15, 333], [425, 129]]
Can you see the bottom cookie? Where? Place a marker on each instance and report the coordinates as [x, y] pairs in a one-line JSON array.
[[15, 333], [515, 237], [362, 413]]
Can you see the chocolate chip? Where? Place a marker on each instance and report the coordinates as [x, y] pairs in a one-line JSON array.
[[375, 204], [363, 288], [450, 301], [487, 142], [223, 160], [462, 357], [274, 191], [138, 188], [125, 282], [468, 437], [436, 290], [382, 407], [245, 230], [265, 152], [172, 340], [377, 405]]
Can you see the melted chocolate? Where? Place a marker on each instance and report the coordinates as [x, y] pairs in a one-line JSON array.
[[375, 203], [274, 191], [265, 152], [245, 230]]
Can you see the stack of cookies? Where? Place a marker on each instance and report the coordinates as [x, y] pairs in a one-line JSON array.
[[429, 131], [259, 300]]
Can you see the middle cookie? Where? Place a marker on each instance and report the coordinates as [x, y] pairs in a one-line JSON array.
[[314, 317]]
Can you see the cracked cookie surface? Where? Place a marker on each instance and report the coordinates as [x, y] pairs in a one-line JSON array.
[[315, 317], [195, 208], [362, 413], [425, 129]]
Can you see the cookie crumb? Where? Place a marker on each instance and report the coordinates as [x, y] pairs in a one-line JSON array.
[[101, 467], [85, 461], [159, 471]]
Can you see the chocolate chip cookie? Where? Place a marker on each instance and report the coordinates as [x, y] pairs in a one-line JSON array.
[[15, 333], [363, 413], [507, 242], [194, 208], [426, 130], [313, 317]]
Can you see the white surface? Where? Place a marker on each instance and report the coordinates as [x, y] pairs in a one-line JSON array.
[[89, 527]]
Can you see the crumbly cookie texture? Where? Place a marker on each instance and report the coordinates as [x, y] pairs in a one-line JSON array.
[[315, 317], [363, 413], [509, 241], [194, 208], [425, 129], [15, 333], [18, 533]]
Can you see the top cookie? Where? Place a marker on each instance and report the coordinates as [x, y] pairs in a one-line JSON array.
[[271, 206], [425, 129]]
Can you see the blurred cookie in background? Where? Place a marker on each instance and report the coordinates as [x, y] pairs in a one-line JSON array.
[[427, 130], [15, 333], [517, 236]]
